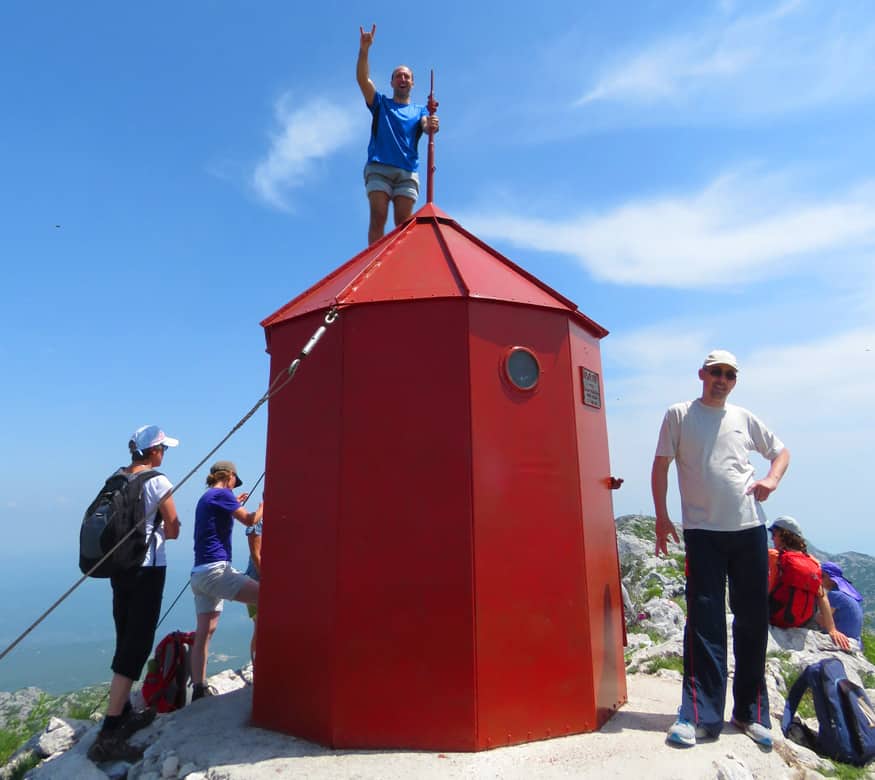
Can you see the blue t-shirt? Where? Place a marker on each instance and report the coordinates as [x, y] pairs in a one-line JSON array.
[[848, 615], [213, 524], [395, 133]]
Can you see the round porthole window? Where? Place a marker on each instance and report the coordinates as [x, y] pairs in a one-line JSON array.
[[522, 369]]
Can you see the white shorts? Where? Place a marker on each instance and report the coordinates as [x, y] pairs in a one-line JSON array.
[[214, 584]]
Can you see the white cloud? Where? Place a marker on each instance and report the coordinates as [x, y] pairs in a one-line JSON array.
[[796, 55], [737, 229], [305, 133], [814, 392]]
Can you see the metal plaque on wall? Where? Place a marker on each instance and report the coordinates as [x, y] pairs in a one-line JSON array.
[[592, 393]]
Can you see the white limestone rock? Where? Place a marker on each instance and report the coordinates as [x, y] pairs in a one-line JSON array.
[[731, 768]]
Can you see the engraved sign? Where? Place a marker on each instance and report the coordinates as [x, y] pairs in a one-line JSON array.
[[592, 393]]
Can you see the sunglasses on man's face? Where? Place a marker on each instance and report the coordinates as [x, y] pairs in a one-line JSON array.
[[719, 372]]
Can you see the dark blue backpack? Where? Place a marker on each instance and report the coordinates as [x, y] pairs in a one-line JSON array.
[[845, 716]]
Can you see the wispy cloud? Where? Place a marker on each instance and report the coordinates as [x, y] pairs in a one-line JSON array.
[[795, 55], [304, 134], [739, 228], [814, 390]]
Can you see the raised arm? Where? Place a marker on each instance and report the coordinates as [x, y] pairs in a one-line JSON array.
[[659, 488], [249, 518], [362, 68]]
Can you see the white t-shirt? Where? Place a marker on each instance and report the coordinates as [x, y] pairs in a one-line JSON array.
[[153, 491], [710, 446]]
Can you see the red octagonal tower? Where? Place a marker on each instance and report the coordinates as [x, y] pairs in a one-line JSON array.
[[440, 564]]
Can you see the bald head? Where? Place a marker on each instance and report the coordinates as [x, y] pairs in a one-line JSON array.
[[402, 83]]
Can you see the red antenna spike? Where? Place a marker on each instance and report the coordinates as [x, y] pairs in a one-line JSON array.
[[432, 107]]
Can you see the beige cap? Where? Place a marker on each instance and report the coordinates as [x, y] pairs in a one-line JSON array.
[[720, 357]]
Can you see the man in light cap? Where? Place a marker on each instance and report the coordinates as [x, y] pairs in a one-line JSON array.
[[725, 538], [136, 597]]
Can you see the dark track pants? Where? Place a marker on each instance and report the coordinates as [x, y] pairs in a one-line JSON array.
[[712, 558]]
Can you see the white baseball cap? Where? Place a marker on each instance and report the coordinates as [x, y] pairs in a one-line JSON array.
[[151, 436]]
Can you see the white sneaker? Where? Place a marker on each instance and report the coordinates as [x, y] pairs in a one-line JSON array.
[[756, 731], [682, 732]]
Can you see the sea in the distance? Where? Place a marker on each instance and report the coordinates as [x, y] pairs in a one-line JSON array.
[[73, 646]]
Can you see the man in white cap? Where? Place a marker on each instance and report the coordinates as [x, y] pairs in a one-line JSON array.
[[136, 599], [725, 537]]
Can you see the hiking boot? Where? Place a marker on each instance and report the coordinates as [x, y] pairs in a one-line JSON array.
[[134, 721], [756, 731], [198, 691], [111, 746]]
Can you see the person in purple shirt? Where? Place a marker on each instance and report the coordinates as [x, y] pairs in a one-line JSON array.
[[213, 579], [397, 124], [844, 600]]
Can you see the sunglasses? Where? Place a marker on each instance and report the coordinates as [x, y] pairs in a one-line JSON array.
[[164, 447], [719, 372]]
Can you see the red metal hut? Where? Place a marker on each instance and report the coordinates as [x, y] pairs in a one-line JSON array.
[[440, 565]]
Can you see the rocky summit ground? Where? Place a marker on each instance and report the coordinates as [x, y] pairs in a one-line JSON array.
[[212, 740]]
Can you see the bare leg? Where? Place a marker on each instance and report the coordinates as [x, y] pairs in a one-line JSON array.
[[252, 643], [403, 209], [206, 627], [248, 594], [379, 213], [119, 693]]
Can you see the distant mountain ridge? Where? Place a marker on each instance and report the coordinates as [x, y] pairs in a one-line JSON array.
[[859, 568]]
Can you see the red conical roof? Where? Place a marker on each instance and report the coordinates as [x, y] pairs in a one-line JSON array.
[[429, 256]]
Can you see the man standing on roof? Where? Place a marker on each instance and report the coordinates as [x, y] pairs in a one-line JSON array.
[[725, 538], [393, 156]]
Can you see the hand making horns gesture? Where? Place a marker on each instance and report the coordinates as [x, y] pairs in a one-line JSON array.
[[367, 38]]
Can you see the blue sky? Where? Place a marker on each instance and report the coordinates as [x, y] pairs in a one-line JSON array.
[[693, 175]]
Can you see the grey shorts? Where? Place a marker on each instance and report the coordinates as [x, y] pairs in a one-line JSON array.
[[211, 587], [393, 181]]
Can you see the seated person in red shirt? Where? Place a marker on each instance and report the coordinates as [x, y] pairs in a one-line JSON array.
[[787, 536]]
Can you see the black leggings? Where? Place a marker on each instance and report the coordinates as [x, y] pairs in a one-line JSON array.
[[136, 607]]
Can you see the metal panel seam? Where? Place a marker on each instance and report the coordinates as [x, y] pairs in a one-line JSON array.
[[471, 504], [366, 271], [577, 445], [457, 274], [337, 521]]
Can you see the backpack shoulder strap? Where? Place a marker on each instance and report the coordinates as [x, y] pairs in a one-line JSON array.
[[805, 681]]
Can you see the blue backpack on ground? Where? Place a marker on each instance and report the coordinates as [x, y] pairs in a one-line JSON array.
[[845, 716]]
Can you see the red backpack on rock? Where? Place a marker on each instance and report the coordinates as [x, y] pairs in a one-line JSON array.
[[791, 602], [169, 672]]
